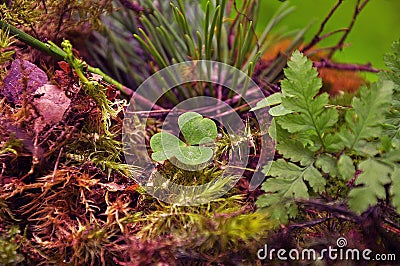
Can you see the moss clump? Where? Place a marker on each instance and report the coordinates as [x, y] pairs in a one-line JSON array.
[[20, 12], [10, 243]]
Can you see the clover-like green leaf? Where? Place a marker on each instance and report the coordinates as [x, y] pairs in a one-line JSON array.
[[196, 131], [194, 155], [164, 146]]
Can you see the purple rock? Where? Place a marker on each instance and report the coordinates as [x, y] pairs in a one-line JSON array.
[[23, 77]]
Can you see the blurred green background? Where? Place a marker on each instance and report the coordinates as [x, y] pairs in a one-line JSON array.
[[376, 27]]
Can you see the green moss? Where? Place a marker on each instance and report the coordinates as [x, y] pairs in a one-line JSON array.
[[222, 226], [20, 12], [10, 243]]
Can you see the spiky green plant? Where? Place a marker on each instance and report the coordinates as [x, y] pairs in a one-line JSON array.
[[6, 51], [5, 42], [177, 31]]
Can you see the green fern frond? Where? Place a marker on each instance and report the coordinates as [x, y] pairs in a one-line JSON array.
[[318, 147], [379, 173], [375, 175], [301, 129], [289, 182], [395, 188], [310, 114], [392, 123], [364, 119]]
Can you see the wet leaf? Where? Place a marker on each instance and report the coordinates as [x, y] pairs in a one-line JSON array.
[[196, 131]]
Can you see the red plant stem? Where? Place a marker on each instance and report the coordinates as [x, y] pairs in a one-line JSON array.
[[329, 34], [341, 66], [317, 37], [134, 6], [359, 7], [308, 224]]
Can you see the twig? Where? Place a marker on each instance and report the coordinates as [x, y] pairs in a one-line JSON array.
[[235, 109], [359, 7], [327, 48], [147, 103], [3, 169], [337, 211], [233, 214], [329, 34], [148, 113], [391, 226], [308, 224], [236, 21], [317, 37], [248, 19], [270, 88], [340, 66], [56, 165]]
